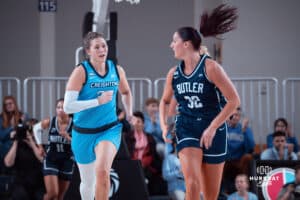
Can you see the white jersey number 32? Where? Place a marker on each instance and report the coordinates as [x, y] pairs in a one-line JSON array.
[[194, 102]]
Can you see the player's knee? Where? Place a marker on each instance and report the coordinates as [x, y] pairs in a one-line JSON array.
[[52, 194], [210, 195], [103, 177], [193, 183], [87, 190]]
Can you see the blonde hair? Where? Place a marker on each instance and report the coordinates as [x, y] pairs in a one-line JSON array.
[[204, 50]]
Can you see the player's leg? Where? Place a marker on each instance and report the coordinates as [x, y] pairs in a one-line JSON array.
[[105, 153], [212, 176], [106, 149], [51, 184], [63, 187], [65, 177], [87, 184], [50, 171], [213, 164], [191, 161]]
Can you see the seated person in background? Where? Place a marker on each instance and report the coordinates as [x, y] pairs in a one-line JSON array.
[[172, 172], [152, 123], [242, 187], [240, 137], [24, 159], [279, 151], [240, 146], [291, 191], [141, 147], [281, 124]]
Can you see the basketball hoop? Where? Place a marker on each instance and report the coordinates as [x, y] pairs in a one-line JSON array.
[[130, 1]]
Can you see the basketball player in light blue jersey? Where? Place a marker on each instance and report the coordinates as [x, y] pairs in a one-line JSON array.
[[197, 84], [91, 94]]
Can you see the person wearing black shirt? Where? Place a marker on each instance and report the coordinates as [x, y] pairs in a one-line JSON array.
[[25, 162]]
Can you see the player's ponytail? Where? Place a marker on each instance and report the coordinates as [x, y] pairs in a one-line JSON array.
[[221, 20]]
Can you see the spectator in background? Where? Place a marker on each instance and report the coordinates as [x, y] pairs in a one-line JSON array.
[[172, 172], [152, 124], [9, 118], [24, 159], [240, 136], [141, 147], [291, 191], [242, 187], [240, 146], [281, 124], [279, 151]]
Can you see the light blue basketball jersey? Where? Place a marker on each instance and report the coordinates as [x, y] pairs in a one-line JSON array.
[[93, 87]]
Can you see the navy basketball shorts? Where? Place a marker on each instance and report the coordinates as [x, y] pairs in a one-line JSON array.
[[189, 131], [60, 166]]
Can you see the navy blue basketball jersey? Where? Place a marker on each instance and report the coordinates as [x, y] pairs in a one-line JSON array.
[[195, 94], [57, 143]]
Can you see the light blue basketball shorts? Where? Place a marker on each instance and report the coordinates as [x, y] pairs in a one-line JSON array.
[[83, 144]]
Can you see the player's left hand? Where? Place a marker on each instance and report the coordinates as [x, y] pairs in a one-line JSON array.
[[207, 137]]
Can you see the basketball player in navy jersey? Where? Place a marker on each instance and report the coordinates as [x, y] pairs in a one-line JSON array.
[[91, 95], [58, 163], [197, 84], [172, 108]]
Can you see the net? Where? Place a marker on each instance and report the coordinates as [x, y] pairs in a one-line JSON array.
[[129, 1]]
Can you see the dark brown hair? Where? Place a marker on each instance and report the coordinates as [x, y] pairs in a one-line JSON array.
[[59, 100], [140, 115], [283, 120], [221, 20], [278, 134]]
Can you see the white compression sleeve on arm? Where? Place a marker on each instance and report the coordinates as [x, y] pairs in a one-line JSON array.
[[72, 105], [37, 132]]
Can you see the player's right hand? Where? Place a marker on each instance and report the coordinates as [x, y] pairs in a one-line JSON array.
[[165, 130], [105, 97]]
